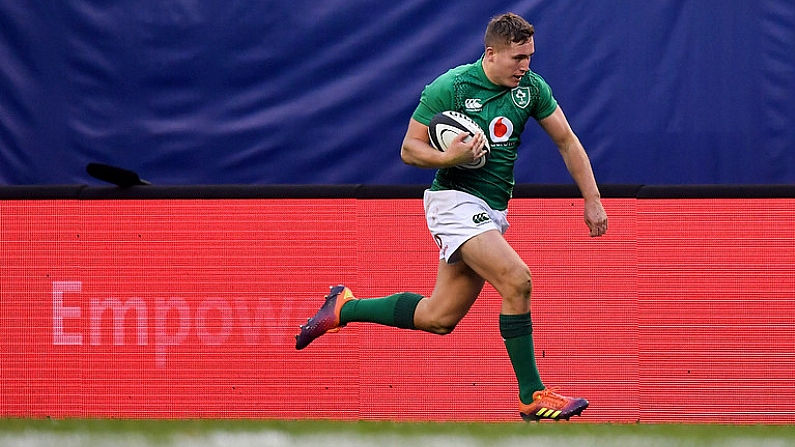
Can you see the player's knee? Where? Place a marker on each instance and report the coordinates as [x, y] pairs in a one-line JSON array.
[[525, 284], [518, 285], [442, 325], [442, 329], [520, 279]]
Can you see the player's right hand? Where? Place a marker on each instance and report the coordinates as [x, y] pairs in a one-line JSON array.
[[464, 149], [595, 217]]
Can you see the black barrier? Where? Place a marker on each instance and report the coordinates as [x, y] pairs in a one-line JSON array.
[[525, 191]]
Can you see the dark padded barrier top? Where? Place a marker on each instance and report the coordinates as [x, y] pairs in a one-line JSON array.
[[85, 192]]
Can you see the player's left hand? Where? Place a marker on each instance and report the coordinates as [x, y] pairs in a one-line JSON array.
[[595, 217]]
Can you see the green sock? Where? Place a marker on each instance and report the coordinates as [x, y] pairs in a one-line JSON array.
[[517, 332], [394, 310]]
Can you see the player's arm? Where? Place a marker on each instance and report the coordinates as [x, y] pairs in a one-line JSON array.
[[417, 150], [579, 166]]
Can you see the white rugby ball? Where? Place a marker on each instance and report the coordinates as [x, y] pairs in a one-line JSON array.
[[447, 125]]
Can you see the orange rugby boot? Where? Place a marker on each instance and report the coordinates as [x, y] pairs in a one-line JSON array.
[[327, 319], [547, 404]]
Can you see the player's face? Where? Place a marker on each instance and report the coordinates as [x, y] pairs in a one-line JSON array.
[[505, 65]]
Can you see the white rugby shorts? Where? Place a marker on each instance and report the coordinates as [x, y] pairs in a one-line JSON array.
[[454, 217]]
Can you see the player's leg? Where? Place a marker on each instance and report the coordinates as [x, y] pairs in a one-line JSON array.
[[492, 258], [341, 308], [457, 287], [448, 213]]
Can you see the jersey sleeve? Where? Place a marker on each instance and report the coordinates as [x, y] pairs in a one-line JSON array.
[[546, 103], [437, 97]]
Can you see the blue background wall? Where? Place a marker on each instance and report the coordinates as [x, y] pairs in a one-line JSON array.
[[262, 92]]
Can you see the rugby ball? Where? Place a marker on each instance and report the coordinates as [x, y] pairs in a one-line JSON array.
[[447, 125]]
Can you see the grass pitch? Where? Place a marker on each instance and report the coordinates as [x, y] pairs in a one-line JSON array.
[[244, 433]]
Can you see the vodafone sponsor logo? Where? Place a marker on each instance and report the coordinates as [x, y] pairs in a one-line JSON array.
[[163, 323], [500, 129]]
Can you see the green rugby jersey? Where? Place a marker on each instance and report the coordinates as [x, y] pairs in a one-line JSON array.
[[502, 114]]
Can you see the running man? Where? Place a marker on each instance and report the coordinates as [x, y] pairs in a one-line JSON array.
[[466, 209]]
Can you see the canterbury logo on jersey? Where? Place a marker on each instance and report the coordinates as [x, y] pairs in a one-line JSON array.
[[480, 218], [473, 105]]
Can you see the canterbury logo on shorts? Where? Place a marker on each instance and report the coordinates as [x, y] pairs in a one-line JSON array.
[[480, 218]]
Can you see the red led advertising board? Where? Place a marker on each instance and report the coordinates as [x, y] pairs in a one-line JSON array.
[[684, 312]]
